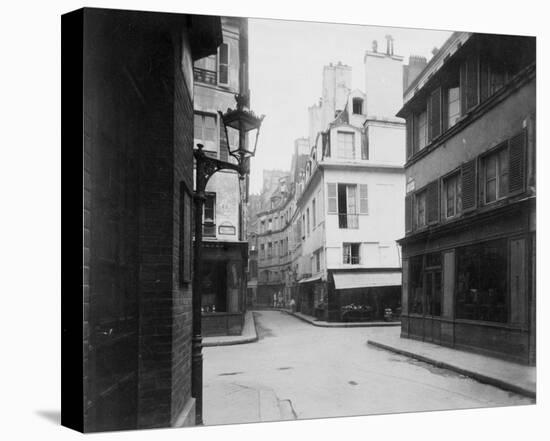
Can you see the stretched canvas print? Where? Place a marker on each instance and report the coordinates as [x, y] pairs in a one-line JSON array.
[[289, 220]]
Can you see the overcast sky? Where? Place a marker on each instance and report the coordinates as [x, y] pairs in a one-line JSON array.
[[286, 65]]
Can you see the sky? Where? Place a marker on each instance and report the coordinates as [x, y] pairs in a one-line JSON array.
[[286, 64]]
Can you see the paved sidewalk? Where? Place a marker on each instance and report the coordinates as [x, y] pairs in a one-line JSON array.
[[315, 322], [502, 374], [248, 335]]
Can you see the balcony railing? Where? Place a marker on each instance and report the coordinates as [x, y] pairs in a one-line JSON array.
[[205, 76], [350, 221], [351, 260]]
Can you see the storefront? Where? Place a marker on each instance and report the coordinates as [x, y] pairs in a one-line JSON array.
[[223, 287], [474, 289], [364, 295]]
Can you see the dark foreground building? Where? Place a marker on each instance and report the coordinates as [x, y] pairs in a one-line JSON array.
[[137, 88], [469, 249]]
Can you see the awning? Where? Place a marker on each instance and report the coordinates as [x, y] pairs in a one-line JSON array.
[[310, 279], [353, 279]]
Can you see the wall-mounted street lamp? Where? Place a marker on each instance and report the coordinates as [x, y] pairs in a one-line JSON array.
[[248, 125]]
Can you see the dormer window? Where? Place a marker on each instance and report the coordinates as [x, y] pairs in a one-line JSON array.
[[357, 106]]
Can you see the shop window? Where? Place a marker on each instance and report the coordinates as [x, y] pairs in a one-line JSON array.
[[425, 284], [482, 282], [351, 253]]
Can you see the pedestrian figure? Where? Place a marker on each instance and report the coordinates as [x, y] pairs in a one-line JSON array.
[[293, 305], [274, 299]]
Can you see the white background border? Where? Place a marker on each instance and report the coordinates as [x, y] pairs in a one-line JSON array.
[[30, 218]]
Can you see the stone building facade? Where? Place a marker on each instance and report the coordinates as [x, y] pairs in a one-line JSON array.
[[137, 136], [469, 248]]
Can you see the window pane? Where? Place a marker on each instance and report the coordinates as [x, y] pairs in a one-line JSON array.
[[345, 145], [503, 173], [224, 53]]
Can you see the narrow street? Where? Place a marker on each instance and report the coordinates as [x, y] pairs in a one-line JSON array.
[[297, 370]]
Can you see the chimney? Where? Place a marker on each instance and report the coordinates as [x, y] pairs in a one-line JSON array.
[[416, 65], [389, 45], [374, 46]]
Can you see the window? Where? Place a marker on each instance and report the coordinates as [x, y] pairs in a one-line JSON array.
[[482, 281], [313, 213], [269, 224], [351, 253], [262, 226], [452, 196], [357, 106], [425, 284], [421, 130], [316, 265], [347, 206], [209, 215], [307, 222], [269, 250], [262, 251], [303, 226], [365, 144], [420, 209], [495, 169], [205, 133], [453, 106], [346, 148], [223, 64]]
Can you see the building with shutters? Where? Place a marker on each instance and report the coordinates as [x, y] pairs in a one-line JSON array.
[[336, 243], [469, 247], [218, 78]]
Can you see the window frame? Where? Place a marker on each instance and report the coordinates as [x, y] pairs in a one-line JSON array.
[[216, 142], [497, 153], [339, 144], [220, 64], [349, 256], [455, 174]]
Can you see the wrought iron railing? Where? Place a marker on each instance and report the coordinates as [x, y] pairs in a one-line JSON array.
[[350, 221], [205, 76]]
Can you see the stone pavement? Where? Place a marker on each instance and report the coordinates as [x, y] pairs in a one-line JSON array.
[[235, 403], [248, 335], [506, 375], [315, 322]]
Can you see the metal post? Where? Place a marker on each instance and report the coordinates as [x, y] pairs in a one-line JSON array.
[[196, 344]]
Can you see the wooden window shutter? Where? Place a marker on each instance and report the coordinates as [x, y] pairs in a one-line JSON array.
[[332, 198], [484, 77], [516, 166], [469, 84], [434, 111], [410, 135], [469, 181], [432, 202], [444, 109], [365, 144], [363, 199], [408, 212]]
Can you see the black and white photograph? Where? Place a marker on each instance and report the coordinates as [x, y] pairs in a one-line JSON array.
[[288, 225]]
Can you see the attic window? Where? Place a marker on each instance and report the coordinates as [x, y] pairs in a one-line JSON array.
[[357, 106]]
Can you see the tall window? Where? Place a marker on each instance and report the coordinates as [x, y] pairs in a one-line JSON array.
[[347, 206], [421, 130], [420, 209], [262, 251], [307, 222], [269, 250], [351, 253], [313, 213], [495, 170], [223, 64], [453, 106], [209, 215], [346, 148], [425, 284], [205, 133], [452, 195]]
